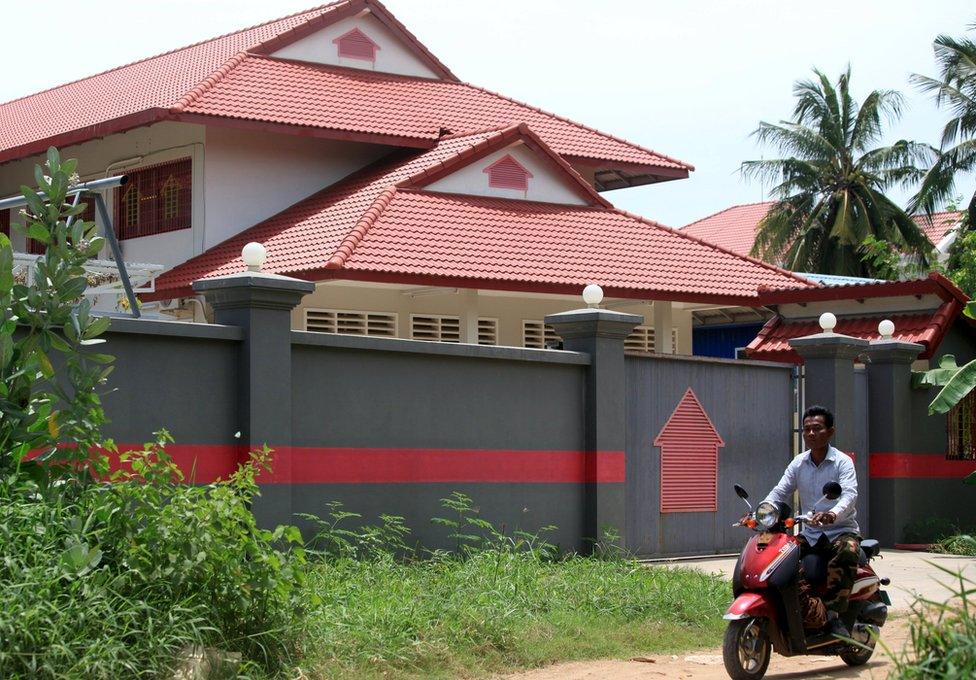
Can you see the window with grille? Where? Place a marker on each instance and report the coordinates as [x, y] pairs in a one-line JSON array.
[[962, 429], [88, 215], [641, 340], [5, 222], [157, 199], [345, 322], [539, 335]]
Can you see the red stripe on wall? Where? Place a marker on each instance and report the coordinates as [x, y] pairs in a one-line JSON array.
[[325, 465], [918, 465]]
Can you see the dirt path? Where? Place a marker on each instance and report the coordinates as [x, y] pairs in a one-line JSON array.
[[911, 574], [707, 665]]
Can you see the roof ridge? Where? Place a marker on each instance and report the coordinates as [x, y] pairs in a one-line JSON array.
[[347, 69], [731, 207], [207, 83], [685, 164], [173, 51], [766, 265], [503, 199], [355, 236]]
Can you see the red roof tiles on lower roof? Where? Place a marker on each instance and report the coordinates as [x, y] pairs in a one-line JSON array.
[[925, 328], [367, 228], [735, 228]]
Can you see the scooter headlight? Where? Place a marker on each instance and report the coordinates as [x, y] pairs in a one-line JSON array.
[[767, 515]]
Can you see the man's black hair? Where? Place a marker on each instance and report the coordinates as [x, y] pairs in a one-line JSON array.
[[820, 411]]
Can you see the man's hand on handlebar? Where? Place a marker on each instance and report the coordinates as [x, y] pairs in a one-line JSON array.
[[823, 518]]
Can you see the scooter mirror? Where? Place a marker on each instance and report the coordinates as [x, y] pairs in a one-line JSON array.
[[832, 491], [740, 492]]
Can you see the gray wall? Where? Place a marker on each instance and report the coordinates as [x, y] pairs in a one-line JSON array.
[[749, 403]]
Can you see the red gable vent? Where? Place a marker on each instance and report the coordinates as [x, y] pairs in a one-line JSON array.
[[508, 173], [356, 45], [689, 459]]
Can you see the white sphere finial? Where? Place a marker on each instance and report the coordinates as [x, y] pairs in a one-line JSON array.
[[886, 329], [828, 322], [254, 256], [592, 295]]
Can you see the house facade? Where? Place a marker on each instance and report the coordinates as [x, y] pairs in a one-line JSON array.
[[422, 207]]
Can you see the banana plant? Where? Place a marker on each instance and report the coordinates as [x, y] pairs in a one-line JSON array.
[[956, 381]]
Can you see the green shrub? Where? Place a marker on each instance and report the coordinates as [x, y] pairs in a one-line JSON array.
[[116, 580], [958, 544]]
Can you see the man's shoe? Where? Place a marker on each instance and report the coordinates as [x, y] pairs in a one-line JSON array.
[[836, 627]]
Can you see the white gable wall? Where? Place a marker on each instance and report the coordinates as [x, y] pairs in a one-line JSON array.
[[392, 57], [251, 176], [545, 185], [239, 178]]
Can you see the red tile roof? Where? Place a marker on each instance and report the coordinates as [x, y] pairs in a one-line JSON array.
[[926, 328], [224, 79], [735, 228], [378, 226]]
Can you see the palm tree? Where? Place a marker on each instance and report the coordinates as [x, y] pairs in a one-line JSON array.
[[956, 90], [830, 187]]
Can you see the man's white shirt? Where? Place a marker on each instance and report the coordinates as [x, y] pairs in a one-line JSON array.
[[808, 479]]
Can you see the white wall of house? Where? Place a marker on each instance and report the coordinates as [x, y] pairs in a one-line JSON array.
[[510, 309], [239, 178], [545, 184], [392, 57], [250, 176]]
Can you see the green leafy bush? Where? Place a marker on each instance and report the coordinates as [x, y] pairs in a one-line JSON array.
[[958, 544]]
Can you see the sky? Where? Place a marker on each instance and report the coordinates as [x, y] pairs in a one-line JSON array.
[[690, 78]]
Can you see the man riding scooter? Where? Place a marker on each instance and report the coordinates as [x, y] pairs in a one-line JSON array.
[[833, 530]]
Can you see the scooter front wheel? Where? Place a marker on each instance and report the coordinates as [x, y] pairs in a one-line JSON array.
[[746, 649]]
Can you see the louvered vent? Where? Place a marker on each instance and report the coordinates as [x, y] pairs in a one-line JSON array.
[[689, 459], [380, 324], [435, 328], [487, 331], [356, 45], [641, 340], [508, 173], [539, 335]]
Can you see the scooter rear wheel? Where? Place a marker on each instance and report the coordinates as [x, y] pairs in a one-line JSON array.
[[746, 649]]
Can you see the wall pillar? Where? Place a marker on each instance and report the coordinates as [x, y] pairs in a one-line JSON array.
[[663, 325], [261, 304], [829, 380], [600, 333], [890, 425], [469, 316]]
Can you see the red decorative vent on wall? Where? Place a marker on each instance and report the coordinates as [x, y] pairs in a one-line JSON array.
[[356, 45], [508, 173], [689, 459]]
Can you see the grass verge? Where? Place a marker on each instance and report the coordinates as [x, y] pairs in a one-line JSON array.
[[497, 610]]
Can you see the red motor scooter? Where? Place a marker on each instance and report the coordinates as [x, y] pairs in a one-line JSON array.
[[765, 615]]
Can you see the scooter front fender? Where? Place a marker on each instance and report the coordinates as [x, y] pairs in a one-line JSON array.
[[751, 605]]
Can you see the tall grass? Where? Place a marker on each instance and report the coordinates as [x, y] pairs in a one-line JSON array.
[[943, 635], [495, 602]]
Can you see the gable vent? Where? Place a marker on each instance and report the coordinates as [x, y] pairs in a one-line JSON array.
[[356, 45], [508, 173]]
